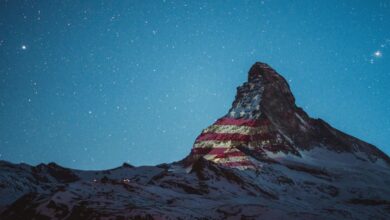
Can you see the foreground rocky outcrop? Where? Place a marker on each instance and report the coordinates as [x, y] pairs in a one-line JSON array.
[[265, 159]]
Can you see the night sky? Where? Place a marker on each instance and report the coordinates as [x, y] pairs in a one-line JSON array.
[[92, 85]]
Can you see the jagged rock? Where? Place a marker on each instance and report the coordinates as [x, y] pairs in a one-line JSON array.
[[264, 121], [265, 159]]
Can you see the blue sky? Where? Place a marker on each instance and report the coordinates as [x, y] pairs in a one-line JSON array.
[[92, 85]]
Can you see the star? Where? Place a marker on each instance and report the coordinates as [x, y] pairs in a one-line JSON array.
[[242, 113], [378, 53], [24, 47], [232, 113]]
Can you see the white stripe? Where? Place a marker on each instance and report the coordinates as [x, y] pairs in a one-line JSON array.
[[231, 159], [227, 144], [213, 144], [235, 129]]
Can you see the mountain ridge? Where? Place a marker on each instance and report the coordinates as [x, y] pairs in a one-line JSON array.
[[265, 159], [264, 110]]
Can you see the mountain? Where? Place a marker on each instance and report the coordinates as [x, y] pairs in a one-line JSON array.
[[264, 123], [265, 159]]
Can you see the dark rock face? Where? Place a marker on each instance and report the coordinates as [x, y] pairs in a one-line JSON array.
[[264, 120], [265, 159], [278, 105]]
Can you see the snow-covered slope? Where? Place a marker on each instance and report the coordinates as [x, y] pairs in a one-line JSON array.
[[265, 159]]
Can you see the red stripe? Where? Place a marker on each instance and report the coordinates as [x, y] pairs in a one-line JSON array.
[[233, 137], [200, 150], [204, 150], [222, 137], [218, 151], [238, 163]]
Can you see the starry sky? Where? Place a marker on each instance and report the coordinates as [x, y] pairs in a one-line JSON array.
[[93, 84]]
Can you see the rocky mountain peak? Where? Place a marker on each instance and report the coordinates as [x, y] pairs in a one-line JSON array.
[[271, 81], [265, 159], [265, 92], [264, 121]]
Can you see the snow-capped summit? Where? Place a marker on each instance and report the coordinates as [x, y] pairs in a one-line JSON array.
[[265, 159], [264, 123]]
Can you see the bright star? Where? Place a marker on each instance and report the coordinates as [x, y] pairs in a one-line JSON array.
[[378, 53], [24, 47]]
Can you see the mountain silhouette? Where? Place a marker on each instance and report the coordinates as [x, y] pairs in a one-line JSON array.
[[265, 159]]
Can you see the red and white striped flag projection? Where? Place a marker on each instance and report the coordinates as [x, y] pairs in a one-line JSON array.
[[244, 134]]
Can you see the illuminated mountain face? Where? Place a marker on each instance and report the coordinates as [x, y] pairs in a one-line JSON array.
[[264, 123], [265, 159]]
